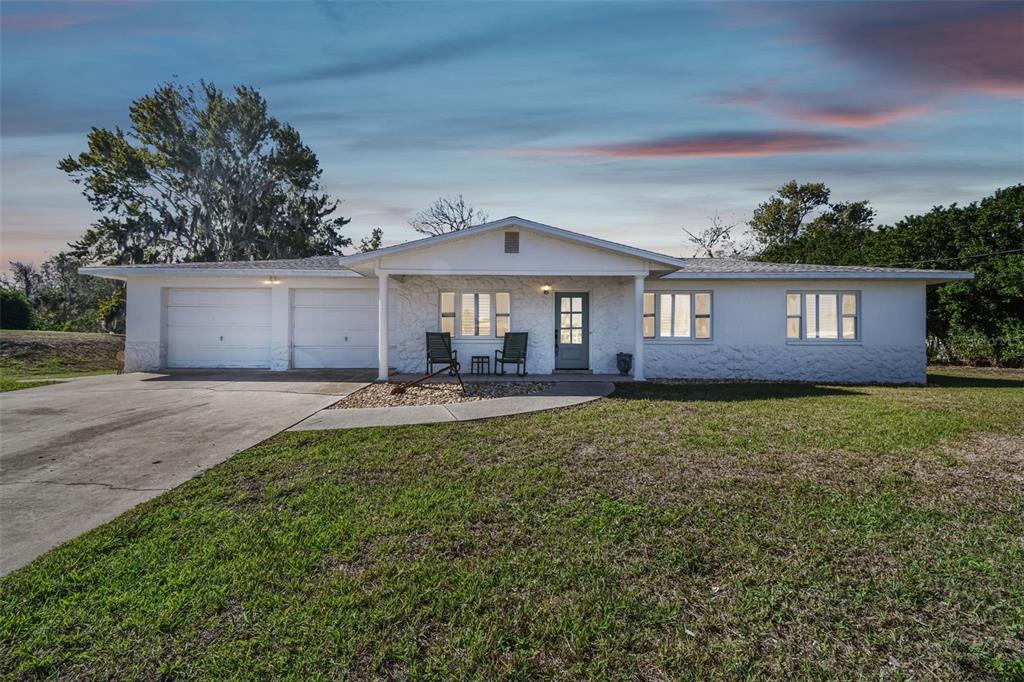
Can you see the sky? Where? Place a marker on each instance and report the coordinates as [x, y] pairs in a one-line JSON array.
[[626, 121]]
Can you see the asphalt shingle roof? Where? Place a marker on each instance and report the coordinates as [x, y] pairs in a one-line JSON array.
[[311, 263], [735, 265]]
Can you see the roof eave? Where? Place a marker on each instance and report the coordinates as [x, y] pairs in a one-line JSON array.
[[123, 272], [929, 277]]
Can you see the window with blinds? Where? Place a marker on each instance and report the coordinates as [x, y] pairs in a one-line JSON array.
[[476, 314], [677, 315], [822, 315]]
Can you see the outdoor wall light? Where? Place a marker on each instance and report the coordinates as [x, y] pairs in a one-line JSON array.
[[271, 280], [546, 289]]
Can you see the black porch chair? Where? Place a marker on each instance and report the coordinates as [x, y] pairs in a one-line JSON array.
[[513, 352], [439, 352]]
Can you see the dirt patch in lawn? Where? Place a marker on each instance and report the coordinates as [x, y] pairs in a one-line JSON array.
[[379, 395]]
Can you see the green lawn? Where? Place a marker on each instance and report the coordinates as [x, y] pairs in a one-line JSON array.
[[685, 531], [32, 354]]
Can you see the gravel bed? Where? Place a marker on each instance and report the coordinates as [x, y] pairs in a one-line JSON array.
[[379, 395]]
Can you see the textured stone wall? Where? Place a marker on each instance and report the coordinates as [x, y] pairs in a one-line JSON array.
[[803, 362], [611, 318], [142, 356]]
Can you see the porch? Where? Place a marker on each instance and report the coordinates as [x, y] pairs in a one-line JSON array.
[[576, 324]]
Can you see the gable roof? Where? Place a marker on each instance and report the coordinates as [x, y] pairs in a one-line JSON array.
[[515, 221]]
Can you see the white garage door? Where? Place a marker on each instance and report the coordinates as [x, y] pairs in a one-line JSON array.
[[334, 328], [218, 328]]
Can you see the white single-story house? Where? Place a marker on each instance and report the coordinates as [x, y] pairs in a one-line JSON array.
[[581, 299]]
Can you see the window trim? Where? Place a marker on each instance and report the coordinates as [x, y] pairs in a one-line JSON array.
[[839, 340], [494, 315], [692, 338]]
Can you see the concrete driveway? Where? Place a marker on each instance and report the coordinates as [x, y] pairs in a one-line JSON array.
[[75, 455]]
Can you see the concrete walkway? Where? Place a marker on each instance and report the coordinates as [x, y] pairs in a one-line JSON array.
[[560, 395]]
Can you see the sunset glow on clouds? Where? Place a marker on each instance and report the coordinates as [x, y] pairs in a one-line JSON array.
[[622, 120], [726, 144]]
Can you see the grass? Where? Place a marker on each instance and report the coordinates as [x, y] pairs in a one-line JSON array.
[[668, 532], [31, 354]]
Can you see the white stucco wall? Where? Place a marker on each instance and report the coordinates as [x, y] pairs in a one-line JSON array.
[[539, 254], [145, 328], [749, 335], [748, 322], [611, 323]]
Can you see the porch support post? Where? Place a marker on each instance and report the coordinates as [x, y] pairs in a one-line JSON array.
[[382, 326], [638, 327]]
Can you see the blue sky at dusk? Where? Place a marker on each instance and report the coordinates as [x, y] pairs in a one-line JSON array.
[[624, 121]]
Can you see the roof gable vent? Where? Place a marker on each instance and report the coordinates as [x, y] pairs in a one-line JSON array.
[[511, 242]]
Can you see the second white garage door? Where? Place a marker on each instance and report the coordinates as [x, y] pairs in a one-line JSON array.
[[334, 328], [218, 328]]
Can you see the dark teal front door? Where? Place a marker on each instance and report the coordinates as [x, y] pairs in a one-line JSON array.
[[572, 327]]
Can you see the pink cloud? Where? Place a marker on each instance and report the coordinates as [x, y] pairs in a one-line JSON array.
[[831, 109], [721, 145], [38, 21], [855, 117], [943, 46]]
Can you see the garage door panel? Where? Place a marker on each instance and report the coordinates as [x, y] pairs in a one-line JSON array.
[[335, 319], [218, 297], [334, 328], [209, 316], [218, 356], [317, 338], [333, 298], [346, 356], [218, 328], [235, 337]]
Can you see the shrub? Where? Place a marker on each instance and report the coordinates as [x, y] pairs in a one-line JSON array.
[[971, 347], [15, 310]]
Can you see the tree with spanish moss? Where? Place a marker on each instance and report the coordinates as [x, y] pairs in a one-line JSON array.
[[203, 175]]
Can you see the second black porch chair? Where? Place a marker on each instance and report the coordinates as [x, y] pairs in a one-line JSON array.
[[512, 352]]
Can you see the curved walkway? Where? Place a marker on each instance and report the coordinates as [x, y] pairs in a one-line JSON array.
[[560, 395]]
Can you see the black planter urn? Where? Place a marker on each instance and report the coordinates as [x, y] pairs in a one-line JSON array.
[[624, 361]]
